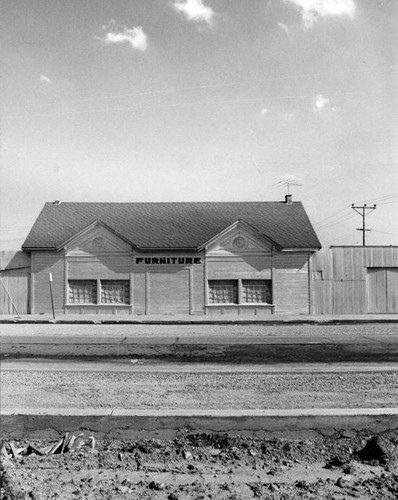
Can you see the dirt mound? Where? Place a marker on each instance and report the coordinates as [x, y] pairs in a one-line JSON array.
[[379, 449], [208, 466]]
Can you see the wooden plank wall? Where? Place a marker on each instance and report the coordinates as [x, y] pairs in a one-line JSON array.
[[339, 277], [15, 273]]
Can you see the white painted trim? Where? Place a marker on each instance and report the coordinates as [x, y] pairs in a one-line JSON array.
[[230, 228]]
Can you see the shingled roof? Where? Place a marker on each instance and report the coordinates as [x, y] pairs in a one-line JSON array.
[[172, 225]]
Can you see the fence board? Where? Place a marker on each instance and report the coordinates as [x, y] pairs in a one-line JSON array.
[[15, 271]]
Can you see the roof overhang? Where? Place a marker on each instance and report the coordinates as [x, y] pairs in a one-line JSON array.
[[39, 249], [301, 249], [236, 224]]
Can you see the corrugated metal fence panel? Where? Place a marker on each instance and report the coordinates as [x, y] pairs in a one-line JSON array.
[[377, 290], [392, 290], [349, 297], [15, 266], [381, 257], [322, 264], [322, 296], [342, 281]]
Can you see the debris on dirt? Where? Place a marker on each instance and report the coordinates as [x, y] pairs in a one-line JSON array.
[[379, 449], [337, 461], [344, 481], [70, 442], [156, 485], [222, 467]]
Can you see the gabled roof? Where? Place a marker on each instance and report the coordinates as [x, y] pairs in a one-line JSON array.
[[172, 225]]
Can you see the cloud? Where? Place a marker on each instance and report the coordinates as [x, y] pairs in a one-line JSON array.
[[313, 10], [320, 103], [113, 33], [45, 79], [287, 116], [194, 10], [285, 27], [264, 111]]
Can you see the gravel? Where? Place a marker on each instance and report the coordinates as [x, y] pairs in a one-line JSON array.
[[200, 330], [134, 390]]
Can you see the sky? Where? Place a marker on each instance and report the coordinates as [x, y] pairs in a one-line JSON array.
[[201, 100]]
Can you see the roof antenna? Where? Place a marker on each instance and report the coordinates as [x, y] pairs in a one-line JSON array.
[[288, 180]]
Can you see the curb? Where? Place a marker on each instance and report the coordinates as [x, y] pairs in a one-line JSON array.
[[167, 424], [217, 349], [198, 322]]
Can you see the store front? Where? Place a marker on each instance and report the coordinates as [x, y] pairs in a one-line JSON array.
[[239, 269]]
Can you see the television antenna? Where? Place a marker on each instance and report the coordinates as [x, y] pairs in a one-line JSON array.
[[288, 181]]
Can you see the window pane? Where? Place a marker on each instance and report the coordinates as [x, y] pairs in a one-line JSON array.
[[115, 292], [223, 292], [82, 292], [256, 291]]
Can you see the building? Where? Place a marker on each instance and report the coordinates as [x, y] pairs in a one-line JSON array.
[[249, 258]]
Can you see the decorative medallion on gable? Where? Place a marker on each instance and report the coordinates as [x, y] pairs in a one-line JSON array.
[[239, 240], [97, 240]]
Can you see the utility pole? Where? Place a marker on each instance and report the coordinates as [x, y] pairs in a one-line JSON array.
[[361, 210]]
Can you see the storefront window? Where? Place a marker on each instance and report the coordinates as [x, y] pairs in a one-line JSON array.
[[223, 292], [115, 292], [82, 292], [111, 291], [256, 291], [240, 292]]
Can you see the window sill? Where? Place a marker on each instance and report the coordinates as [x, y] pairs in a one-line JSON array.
[[252, 304], [98, 305]]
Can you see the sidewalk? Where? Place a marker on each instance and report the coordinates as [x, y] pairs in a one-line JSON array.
[[342, 319]]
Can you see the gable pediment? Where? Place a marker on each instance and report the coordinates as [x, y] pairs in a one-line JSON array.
[[239, 239], [97, 239]]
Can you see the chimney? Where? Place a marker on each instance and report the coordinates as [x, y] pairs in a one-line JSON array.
[[288, 199], [56, 202]]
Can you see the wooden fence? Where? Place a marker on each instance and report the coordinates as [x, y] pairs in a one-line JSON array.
[[14, 282], [354, 280]]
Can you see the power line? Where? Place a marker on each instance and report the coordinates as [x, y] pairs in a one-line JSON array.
[[323, 222], [372, 200], [198, 87], [188, 104], [384, 232], [339, 220], [329, 217]]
